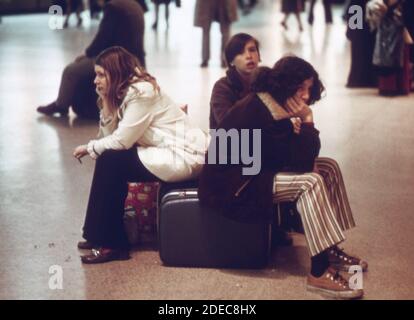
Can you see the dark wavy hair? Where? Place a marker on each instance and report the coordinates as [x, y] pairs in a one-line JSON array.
[[123, 69], [286, 77], [236, 46]]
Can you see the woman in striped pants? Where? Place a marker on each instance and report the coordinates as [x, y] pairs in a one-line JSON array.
[[320, 196], [321, 201]]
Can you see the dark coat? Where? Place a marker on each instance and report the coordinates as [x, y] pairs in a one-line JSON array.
[[362, 72], [208, 11], [122, 25], [408, 13], [249, 198], [226, 92]]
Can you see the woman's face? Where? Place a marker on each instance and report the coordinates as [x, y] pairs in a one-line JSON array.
[[246, 62], [303, 93], [101, 81]]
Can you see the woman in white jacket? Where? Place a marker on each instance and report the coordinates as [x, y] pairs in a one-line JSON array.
[[143, 136]]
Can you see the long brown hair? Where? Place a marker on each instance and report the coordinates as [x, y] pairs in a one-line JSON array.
[[123, 69]]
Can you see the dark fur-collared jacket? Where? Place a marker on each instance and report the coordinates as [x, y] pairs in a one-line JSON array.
[[249, 197], [226, 92]]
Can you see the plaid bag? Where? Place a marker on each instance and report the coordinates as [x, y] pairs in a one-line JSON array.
[[140, 217]]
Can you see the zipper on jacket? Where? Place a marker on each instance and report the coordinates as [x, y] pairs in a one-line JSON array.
[[243, 186]]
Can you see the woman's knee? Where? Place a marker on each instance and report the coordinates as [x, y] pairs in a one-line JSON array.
[[112, 159], [329, 164], [312, 180]]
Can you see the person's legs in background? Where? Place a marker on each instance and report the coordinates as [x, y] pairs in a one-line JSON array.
[[283, 23], [225, 36], [156, 11], [310, 14], [167, 14], [297, 15], [79, 69], [79, 9], [69, 6], [328, 11], [206, 46]]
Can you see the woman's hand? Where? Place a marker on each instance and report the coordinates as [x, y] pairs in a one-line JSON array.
[[80, 151], [296, 124], [297, 108]]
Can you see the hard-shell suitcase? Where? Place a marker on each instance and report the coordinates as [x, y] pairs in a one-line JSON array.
[[196, 236]]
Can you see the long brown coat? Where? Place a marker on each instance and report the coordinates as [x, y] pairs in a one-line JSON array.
[[222, 11]]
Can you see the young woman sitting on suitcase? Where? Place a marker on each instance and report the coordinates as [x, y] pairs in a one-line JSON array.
[[290, 171], [143, 136]]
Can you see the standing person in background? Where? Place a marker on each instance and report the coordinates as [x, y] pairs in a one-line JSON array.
[[221, 11], [391, 52], [362, 72], [73, 5], [408, 14], [157, 4], [122, 25], [326, 7], [94, 9], [292, 6]]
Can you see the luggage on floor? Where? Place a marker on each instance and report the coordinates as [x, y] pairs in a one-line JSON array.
[[396, 82], [140, 217], [195, 236]]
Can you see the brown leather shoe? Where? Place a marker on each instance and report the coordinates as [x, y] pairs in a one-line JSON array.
[[105, 255], [51, 109], [332, 284], [86, 245], [340, 260]]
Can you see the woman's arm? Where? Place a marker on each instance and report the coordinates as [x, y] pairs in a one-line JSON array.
[[221, 101], [137, 117], [304, 148]]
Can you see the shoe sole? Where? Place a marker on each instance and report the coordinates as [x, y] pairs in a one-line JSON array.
[[351, 294], [120, 257]]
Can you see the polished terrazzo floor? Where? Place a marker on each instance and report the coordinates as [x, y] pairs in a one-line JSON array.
[[44, 190]]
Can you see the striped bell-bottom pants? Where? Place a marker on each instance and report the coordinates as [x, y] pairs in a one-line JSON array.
[[321, 201]]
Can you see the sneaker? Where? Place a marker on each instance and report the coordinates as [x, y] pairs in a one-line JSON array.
[[332, 284], [340, 260]]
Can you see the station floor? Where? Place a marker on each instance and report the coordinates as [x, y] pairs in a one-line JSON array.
[[44, 190]]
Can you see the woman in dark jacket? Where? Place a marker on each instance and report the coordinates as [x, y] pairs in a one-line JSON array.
[[246, 191]]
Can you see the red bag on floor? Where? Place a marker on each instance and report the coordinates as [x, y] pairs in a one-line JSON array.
[[141, 212], [398, 82]]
